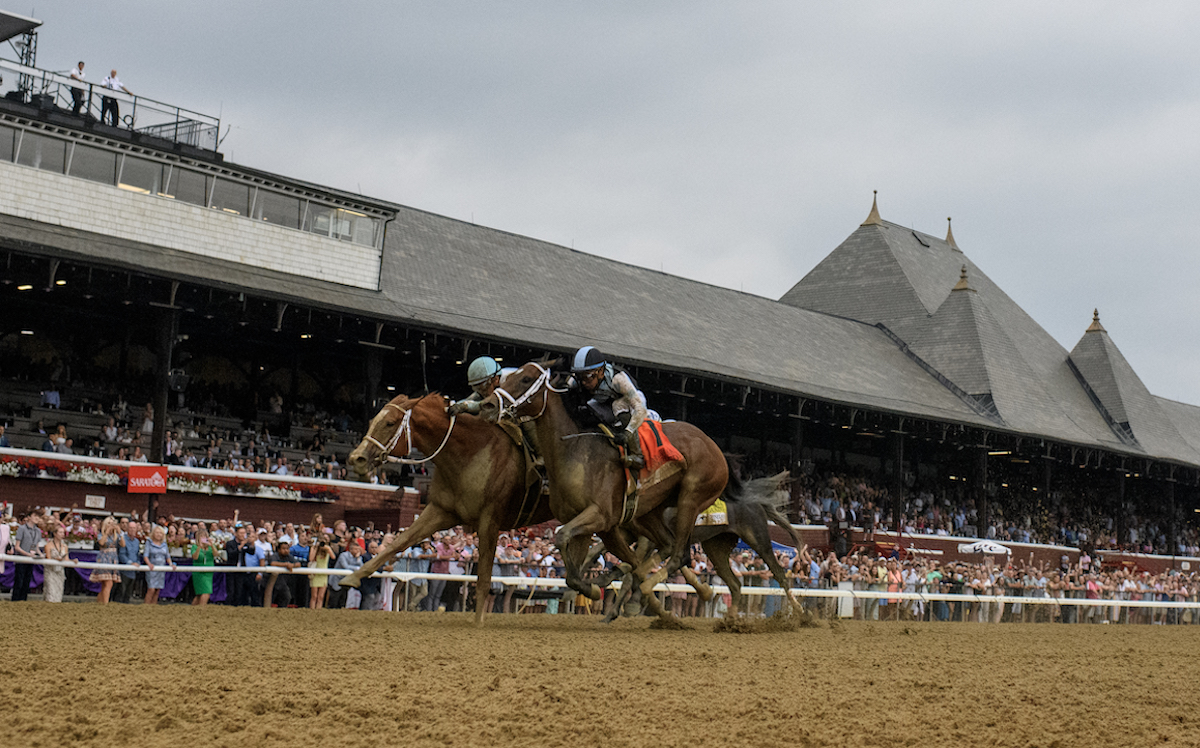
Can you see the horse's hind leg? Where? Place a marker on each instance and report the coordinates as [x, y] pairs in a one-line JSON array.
[[757, 535], [655, 523], [718, 549], [615, 542]]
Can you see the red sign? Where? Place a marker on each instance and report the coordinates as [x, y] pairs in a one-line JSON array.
[[147, 479]]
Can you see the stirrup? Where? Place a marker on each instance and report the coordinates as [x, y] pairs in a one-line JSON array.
[[634, 461]]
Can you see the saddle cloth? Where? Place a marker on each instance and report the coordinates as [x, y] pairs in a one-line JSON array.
[[716, 514], [656, 447]]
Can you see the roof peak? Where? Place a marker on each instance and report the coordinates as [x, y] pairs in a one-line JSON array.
[[873, 219], [950, 236], [963, 284], [1096, 326]]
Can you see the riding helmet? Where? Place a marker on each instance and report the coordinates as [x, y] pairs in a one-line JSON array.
[[481, 370], [587, 358]]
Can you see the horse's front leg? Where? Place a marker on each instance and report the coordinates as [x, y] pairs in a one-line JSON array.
[[488, 537], [582, 527], [431, 520]]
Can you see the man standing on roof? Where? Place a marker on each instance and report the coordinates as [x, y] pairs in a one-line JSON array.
[[484, 375], [108, 105], [615, 399], [76, 92]]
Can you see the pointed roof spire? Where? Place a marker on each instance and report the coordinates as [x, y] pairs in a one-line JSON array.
[[962, 284], [1096, 326], [950, 236], [874, 219]]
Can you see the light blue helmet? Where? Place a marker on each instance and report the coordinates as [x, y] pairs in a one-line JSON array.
[[481, 370], [587, 358]]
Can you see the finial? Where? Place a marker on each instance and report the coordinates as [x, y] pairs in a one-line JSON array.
[[873, 219], [1096, 326], [950, 236], [962, 284]]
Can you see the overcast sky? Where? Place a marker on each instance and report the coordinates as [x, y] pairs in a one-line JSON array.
[[733, 143]]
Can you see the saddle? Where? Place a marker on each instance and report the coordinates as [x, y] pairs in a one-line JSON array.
[[536, 484], [663, 460]]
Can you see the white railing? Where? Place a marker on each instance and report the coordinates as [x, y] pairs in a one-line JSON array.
[[552, 583]]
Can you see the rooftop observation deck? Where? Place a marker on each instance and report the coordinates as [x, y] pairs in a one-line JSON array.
[[45, 95]]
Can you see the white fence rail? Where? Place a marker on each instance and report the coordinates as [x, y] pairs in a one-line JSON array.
[[550, 583]]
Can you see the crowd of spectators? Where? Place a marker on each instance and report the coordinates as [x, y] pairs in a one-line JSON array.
[[190, 442], [853, 499], [171, 544]]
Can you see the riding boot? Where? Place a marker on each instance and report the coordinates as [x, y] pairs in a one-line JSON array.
[[633, 451]]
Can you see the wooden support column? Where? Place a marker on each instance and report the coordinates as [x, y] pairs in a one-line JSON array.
[[1173, 526], [165, 329], [1122, 525], [981, 497], [897, 482]]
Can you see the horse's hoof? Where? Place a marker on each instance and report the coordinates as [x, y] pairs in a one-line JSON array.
[[594, 593], [350, 581], [705, 591]]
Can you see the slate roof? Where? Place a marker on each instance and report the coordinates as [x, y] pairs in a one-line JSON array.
[[993, 365], [979, 339], [1123, 395]]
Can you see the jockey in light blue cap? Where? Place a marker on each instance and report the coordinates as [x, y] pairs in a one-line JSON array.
[[484, 377]]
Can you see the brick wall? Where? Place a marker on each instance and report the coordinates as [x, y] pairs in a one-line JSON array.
[[76, 203]]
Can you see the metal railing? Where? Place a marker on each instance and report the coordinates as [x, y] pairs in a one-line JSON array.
[[94, 103]]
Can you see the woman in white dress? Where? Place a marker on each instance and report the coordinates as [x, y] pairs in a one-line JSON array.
[[54, 576]]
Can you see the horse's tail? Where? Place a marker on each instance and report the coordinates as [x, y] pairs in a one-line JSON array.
[[772, 495], [734, 488]]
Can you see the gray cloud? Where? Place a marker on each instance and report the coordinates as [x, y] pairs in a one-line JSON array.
[[733, 144]]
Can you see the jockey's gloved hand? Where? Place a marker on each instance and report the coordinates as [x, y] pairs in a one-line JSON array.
[[462, 406]]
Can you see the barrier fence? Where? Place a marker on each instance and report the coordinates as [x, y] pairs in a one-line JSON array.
[[848, 598]]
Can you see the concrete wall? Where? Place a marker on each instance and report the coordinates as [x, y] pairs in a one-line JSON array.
[[76, 203]]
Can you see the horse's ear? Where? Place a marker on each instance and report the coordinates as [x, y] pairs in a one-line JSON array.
[[554, 364]]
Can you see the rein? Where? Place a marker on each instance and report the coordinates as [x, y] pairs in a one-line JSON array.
[[509, 411], [406, 428]]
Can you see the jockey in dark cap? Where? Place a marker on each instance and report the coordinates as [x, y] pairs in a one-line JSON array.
[[615, 399]]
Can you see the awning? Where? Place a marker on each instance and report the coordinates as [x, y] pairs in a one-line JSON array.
[[12, 25]]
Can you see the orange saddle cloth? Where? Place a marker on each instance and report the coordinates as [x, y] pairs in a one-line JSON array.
[[656, 448]]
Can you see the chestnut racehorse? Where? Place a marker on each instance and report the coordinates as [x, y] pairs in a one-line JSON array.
[[587, 482], [479, 480]]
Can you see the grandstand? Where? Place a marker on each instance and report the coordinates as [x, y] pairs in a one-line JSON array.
[[141, 269]]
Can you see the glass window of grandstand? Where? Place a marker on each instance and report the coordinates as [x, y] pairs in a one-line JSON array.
[[140, 175], [96, 164], [189, 186], [281, 210], [7, 144], [41, 152], [347, 225], [231, 197]]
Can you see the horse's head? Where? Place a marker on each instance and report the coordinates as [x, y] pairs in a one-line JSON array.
[[521, 395], [384, 436]]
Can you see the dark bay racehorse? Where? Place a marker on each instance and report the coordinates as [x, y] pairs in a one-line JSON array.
[[479, 481], [587, 482], [747, 519]]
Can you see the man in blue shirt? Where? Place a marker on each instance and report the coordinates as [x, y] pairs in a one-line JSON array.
[[416, 560], [300, 581], [128, 554], [254, 556]]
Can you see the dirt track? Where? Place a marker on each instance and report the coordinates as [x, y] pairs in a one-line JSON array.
[[178, 676]]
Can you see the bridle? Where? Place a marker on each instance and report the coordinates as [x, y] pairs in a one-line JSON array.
[[405, 428], [543, 381]]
